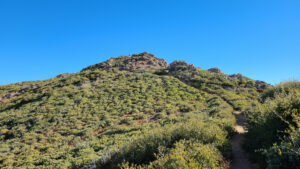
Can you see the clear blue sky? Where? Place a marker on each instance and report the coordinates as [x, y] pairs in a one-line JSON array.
[[40, 39]]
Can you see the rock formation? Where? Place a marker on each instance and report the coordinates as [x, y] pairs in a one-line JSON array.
[[135, 62], [215, 70]]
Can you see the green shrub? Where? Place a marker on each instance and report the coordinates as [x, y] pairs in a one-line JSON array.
[[285, 155], [274, 120], [185, 154], [143, 149]]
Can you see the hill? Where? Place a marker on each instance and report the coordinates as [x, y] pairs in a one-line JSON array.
[[128, 112]]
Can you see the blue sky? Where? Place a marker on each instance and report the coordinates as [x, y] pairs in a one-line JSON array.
[[258, 38]]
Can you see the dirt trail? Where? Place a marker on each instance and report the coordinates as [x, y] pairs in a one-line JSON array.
[[240, 157]]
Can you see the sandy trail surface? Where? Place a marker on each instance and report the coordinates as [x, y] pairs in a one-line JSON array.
[[240, 157]]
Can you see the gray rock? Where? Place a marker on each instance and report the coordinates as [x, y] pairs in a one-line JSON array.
[[215, 70]]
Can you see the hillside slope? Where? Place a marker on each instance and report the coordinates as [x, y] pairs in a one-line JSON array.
[[102, 115]]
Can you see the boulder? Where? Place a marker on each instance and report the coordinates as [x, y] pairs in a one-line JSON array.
[[215, 70]]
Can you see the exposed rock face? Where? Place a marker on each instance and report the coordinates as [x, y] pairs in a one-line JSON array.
[[131, 63], [215, 70]]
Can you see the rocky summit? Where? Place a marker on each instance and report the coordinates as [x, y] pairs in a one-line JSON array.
[[131, 63]]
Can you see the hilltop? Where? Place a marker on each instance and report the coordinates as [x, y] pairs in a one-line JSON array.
[[142, 61], [134, 111]]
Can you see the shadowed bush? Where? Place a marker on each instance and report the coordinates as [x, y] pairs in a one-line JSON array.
[[274, 127]]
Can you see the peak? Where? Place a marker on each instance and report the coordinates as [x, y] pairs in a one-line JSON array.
[[140, 61]]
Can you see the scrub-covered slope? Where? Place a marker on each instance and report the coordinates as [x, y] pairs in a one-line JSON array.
[[131, 111]]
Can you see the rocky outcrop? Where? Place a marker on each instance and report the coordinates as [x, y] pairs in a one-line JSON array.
[[215, 70], [182, 66], [17, 93], [182, 70], [142, 61], [261, 85], [258, 85], [179, 69], [235, 76]]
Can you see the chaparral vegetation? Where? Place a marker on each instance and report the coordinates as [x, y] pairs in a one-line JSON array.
[[141, 112]]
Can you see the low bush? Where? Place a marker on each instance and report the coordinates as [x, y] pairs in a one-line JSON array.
[[285, 155], [147, 148], [184, 154]]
